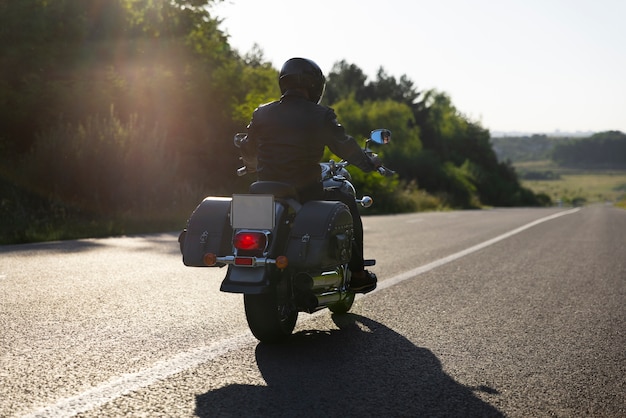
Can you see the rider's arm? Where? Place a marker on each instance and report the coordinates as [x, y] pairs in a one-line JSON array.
[[344, 145], [248, 148]]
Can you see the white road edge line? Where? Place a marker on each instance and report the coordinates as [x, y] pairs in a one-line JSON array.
[[132, 382], [438, 263]]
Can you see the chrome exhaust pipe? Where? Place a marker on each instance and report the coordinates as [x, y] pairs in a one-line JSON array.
[[324, 280], [311, 302], [316, 292], [325, 299]]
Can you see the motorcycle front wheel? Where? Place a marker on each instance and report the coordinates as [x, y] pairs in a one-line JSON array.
[[269, 320]]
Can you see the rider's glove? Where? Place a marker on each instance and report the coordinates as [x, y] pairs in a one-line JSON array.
[[376, 162]]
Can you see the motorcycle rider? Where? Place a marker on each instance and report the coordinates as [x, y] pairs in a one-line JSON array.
[[286, 140]]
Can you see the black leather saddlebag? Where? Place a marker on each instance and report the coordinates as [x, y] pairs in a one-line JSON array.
[[208, 231], [321, 236]]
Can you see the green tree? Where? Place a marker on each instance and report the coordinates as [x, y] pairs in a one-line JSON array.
[[68, 59], [257, 84], [359, 120], [452, 156], [158, 64], [601, 150], [344, 81]]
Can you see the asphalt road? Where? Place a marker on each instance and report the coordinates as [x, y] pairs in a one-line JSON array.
[[478, 313]]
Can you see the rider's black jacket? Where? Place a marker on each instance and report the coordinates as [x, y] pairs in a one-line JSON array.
[[286, 141]]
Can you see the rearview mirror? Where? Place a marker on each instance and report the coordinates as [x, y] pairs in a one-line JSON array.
[[380, 136]]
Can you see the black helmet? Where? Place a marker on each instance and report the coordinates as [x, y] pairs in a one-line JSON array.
[[304, 74]]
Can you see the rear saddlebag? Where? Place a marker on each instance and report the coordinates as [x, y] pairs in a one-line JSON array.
[[208, 231], [321, 236]]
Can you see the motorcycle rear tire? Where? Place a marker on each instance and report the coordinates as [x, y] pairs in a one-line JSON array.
[[269, 321]]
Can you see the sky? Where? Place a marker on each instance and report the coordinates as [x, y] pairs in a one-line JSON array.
[[532, 66]]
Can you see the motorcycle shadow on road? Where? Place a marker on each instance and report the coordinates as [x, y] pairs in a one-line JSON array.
[[362, 369]]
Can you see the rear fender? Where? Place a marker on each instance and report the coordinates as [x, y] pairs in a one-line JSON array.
[[256, 280], [247, 280]]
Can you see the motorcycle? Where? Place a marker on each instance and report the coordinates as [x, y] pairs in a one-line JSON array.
[[285, 257]]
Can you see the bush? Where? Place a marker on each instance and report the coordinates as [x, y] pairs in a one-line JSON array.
[[99, 178], [103, 166]]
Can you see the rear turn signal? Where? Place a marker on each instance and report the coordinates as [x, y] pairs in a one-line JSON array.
[[210, 259], [282, 262]]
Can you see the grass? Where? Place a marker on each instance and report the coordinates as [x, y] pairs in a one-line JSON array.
[[26, 217], [590, 186]]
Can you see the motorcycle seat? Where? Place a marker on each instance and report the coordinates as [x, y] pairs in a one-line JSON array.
[[276, 188]]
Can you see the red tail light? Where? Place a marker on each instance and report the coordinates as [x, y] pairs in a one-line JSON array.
[[250, 241]]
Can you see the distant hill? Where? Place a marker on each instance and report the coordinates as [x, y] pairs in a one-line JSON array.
[[554, 134], [525, 148], [598, 151]]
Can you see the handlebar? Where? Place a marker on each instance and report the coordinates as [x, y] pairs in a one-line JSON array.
[[384, 171]]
